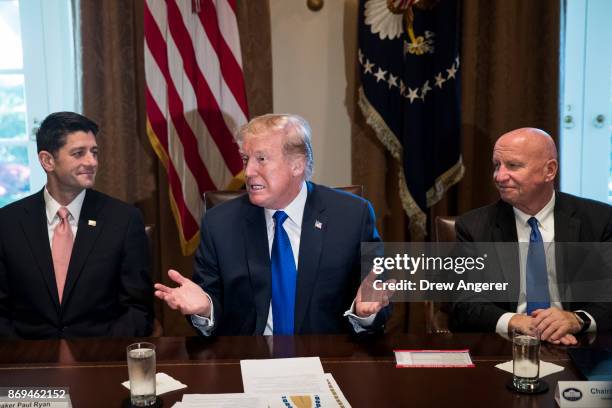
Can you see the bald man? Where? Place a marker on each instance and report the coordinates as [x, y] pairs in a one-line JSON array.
[[525, 167]]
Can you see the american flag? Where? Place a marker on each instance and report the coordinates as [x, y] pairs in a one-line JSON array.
[[195, 101]]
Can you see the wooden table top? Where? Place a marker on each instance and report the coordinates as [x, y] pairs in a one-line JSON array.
[[363, 367]]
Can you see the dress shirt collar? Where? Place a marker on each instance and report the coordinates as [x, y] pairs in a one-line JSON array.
[[543, 216], [51, 206], [295, 209]]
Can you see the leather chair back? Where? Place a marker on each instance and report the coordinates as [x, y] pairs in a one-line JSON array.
[[437, 313], [444, 229], [213, 198]]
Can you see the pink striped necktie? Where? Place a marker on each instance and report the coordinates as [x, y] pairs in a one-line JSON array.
[[61, 248]]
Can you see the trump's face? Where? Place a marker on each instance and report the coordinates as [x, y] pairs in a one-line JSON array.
[[273, 179]]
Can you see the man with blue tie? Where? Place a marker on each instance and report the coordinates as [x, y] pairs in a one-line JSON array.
[[284, 258], [532, 212]]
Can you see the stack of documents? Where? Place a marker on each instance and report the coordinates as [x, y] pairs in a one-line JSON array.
[[282, 383]]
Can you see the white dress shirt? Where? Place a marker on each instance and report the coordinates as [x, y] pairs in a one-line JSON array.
[[546, 225], [293, 227], [74, 208]]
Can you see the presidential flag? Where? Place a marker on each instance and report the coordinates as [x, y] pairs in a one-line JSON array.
[[409, 94], [195, 101]]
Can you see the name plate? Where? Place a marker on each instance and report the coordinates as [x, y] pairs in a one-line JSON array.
[[584, 394], [34, 397]]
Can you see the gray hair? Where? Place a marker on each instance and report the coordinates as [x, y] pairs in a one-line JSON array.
[[297, 133]]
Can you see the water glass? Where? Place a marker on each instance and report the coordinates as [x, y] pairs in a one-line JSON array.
[[526, 360], [141, 368]]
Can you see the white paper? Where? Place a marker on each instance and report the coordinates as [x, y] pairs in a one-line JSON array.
[[276, 383], [258, 401], [223, 401], [296, 376], [583, 394], [336, 392], [433, 358], [546, 368], [294, 401], [163, 384]]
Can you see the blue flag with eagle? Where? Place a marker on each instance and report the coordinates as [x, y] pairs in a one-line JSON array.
[[409, 64]]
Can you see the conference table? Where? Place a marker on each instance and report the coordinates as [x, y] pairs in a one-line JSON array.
[[363, 367]]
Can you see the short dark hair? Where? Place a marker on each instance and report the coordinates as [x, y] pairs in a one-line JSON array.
[[51, 135]]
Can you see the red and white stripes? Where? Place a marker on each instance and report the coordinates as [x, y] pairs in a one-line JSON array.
[[195, 100]]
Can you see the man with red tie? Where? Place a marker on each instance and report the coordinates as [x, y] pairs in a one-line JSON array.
[[73, 262]]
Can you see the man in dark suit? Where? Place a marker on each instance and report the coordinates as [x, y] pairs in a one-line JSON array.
[[285, 258], [526, 165], [73, 262]]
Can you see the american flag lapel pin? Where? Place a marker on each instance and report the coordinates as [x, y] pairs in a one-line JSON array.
[[318, 224], [91, 223]]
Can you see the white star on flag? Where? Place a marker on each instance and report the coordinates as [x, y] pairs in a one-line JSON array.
[[426, 88], [439, 80], [367, 67], [360, 56], [413, 94], [402, 87], [451, 72], [392, 81], [380, 75]]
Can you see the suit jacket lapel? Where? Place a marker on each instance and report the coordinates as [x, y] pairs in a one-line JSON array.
[[505, 228], [84, 241], [505, 233], [314, 223], [258, 258], [567, 229], [34, 224]]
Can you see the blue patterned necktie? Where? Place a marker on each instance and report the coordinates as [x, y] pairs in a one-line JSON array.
[[284, 276], [537, 275]]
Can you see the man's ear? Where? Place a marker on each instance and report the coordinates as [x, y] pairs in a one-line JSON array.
[[298, 166], [47, 161], [550, 170]]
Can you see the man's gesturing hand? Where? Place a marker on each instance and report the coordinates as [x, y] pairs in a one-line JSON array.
[[187, 297], [369, 300]]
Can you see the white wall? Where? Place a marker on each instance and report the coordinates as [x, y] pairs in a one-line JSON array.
[[310, 70]]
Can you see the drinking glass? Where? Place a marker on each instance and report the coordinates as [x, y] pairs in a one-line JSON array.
[[141, 368], [526, 360]]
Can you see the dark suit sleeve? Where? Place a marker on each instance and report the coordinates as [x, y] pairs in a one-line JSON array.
[[602, 311], [6, 325], [136, 288], [206, 271], [473, 316], [369, 233]]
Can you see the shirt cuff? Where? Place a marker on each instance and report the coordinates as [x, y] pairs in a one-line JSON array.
[[360, 324], [501, 327], [205, 325], [593, 327]]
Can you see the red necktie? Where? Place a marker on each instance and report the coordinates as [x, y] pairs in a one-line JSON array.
[[61, 248]]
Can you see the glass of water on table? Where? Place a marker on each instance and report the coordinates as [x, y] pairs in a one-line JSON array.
[[141, 369], [526, 362]]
